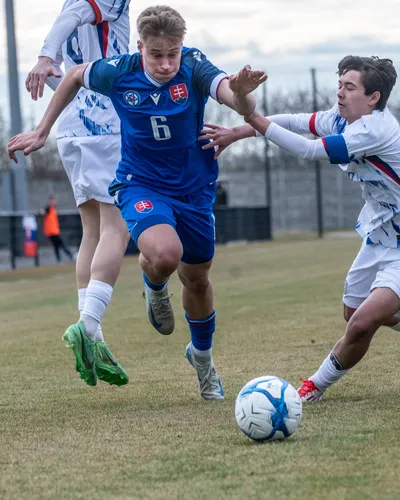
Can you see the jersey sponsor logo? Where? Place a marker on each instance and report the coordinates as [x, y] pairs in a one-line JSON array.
[[144, 206], [155, 97], [179, 93], [132, 98]]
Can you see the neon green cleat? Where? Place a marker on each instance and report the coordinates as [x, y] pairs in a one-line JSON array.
[[83, 348], [107, 367]]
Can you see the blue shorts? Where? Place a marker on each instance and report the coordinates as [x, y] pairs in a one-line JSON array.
[[191, 216]]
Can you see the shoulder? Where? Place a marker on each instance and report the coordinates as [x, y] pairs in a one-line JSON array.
[[379, 124], [116, 66], [125, 63], [192, 56]]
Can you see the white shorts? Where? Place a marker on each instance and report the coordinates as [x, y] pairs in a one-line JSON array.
[[90, 163], [375, 266]]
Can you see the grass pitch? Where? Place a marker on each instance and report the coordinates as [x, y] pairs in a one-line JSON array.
[[279, 312]]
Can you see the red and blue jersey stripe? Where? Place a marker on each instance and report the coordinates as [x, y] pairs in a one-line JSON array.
[[383, 167]]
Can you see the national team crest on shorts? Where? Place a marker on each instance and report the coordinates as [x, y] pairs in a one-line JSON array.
[[144, 206], [132, 98], [179, 93]]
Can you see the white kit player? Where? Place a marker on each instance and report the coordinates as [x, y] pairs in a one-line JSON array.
[[362, 136], [88, 140]]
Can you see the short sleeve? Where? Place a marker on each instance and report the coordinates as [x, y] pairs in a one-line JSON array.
[[100, 75], [108, 10], [206, 76]]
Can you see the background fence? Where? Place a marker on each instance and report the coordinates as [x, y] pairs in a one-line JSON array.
[[231, 224]]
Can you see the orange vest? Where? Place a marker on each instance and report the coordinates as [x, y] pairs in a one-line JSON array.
[[51, 226]]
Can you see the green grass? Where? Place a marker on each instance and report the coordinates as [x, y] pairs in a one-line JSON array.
[[279, 312]]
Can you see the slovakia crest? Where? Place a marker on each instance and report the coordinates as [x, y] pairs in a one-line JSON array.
[[179, 93], [144, 206], [132, 98]]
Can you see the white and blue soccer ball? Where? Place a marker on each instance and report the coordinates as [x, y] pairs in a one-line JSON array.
[[268, 408]]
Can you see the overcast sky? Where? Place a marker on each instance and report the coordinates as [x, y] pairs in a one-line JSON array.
[[284, 37]]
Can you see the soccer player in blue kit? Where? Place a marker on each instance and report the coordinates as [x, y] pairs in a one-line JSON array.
[[165, 183]]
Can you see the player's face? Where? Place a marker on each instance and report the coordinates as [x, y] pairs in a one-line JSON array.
[[162, 57], [352, 101]]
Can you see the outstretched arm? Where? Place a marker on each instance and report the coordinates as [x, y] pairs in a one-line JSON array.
[[81, 12], [222, 137], [289, 141], [67, 90], [243, 83]]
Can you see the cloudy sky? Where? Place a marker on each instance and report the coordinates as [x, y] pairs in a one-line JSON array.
[[284, 37]]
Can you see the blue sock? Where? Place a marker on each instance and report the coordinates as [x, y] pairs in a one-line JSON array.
[[154, 286], [201, 331]]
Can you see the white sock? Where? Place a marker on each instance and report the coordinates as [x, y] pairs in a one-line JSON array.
[[98, 296], [99, 334], [202, 354], [328, 373], [81, 305], [81, 298]]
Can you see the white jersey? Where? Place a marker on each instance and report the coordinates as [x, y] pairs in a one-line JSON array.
[[368, 150], [91, 113]]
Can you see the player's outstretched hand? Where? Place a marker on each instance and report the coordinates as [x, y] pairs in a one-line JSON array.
[[36, 78], [246, 80], [221, 137], [26, 142]]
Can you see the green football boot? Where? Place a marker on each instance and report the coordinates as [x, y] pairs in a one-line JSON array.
[[107, 367], [83, 348]]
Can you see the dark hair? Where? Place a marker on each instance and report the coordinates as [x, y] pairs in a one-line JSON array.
[[161, 20], [377, 75]]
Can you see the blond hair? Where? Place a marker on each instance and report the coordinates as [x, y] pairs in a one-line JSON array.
[[161, 21]]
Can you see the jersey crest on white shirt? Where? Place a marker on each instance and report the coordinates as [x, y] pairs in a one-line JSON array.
[[91, 113], [371, 146]]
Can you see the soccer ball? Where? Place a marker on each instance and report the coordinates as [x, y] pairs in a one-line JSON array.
[[268, 408]]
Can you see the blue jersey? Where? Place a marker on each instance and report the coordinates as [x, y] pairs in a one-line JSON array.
[[160, 122]]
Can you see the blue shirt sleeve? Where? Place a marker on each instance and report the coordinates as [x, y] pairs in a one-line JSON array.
[[204, 72], [103, 73], [336, 147]]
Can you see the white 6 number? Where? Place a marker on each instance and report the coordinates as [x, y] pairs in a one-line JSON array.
[[161, 132]]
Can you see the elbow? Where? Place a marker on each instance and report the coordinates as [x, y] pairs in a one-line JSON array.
[[75, 74]]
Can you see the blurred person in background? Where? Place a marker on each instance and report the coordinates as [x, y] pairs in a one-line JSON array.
[[51, 229]]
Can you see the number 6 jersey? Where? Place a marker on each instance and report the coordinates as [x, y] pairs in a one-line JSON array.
[[160, 122]]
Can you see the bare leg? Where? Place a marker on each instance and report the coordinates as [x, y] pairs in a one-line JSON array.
[[160, 252], [104, 266], [198, 303], [114, 239], [90, 216], [374, 312], [197, 291], [390, 322]]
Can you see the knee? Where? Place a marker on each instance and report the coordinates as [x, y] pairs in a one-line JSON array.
[[197, 284], [359, 329], [164, 260]]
